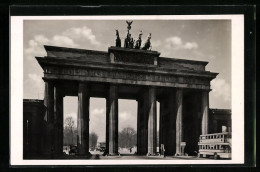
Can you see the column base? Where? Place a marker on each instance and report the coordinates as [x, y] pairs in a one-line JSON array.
[[177, 154], [152, 154], [57, 155], [113, 154], [88, 154]]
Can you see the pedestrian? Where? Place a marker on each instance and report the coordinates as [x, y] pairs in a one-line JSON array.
[[163, 150], [130, 149]]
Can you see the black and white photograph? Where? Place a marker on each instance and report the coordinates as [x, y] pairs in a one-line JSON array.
[[93, 90]]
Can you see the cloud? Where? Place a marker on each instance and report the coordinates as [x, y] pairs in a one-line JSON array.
[[156, 43], [190, 45], [127, 119], [61, 40], [72, 37], [36, 81], [176, 43], [83, 32], [97, 111], [221, 89], [97, 123], [41, 39], [35, 49]]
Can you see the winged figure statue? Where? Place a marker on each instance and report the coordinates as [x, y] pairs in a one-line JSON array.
[[129, 24]]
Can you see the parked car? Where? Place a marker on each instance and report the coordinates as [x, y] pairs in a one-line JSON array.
[[102, 149], [73, 150]]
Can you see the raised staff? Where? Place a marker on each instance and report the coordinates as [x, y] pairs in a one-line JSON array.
[[129, 41]]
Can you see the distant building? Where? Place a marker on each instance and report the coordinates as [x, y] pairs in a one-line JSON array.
[[219, 118], [33, 125]]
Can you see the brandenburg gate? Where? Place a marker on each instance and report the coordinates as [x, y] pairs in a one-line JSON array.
[[180, 86]]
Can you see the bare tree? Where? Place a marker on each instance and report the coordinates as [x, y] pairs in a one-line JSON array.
[[127, 138], [93, 137], [69, 124]]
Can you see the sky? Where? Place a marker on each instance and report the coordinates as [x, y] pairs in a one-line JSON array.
[[204, 40]]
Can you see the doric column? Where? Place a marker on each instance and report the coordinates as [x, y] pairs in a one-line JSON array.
[[162, 124], [205, 112], [107, 126], [83, 119], [179, 96], [49, 118], [112, 120], [152, 121], [142, 123], [58, 121], [139, 113], [171, 120], [168, 123]]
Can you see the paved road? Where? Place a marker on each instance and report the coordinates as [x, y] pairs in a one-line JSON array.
[[126, 155]]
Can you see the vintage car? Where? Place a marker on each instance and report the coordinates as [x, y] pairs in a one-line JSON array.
[[92, 149], [73, 150]]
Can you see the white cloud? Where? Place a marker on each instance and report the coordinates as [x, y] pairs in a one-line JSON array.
[[97, 123], [221, 89], [190, 45], [41, 39], [176, 43], [82, 33], [124, 115], [36, 80], [73, 37], [127, 119], [156, 43], [212, 57], [60, 40], [35, 49], [97, 111]]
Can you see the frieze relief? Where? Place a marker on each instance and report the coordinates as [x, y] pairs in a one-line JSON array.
[[127, 75]]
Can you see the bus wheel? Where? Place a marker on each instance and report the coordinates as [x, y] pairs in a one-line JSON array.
[[215, 155]]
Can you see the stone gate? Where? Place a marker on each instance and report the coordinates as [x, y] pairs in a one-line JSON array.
[[181, 86]]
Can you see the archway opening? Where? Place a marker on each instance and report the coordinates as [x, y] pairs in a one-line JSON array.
[[127, 126], [97, 125], [70, 110]]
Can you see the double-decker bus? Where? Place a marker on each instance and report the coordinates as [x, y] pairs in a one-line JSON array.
[[217, 145]]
